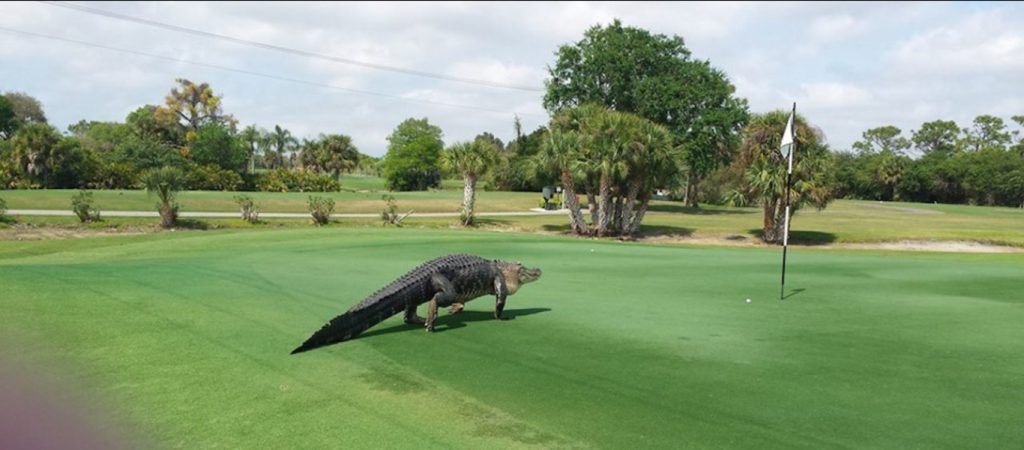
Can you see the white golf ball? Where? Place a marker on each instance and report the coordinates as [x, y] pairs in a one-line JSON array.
[[748, 300], [591, 250]]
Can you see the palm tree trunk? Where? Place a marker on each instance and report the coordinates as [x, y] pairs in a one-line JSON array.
[[575, 216], [691, 191], [627, 209], [591, 203], [604, 212], [634, 227], [468, 198], [774, 221]]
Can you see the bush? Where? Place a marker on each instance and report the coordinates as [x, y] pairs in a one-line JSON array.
[[213, 178], [3, 208], [82, 205], [284, 180], [165, 182], [250, 212], [321, 208], [390, 214]]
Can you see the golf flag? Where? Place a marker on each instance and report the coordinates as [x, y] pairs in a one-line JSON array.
[[787, 147], [787, 142]]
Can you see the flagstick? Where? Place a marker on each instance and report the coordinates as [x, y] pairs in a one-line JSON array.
[[785, 227]]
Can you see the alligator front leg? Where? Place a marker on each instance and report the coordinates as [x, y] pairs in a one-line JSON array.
[[500, 294], [456, 308], [444, 295]]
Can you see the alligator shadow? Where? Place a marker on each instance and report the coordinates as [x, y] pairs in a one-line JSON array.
[[447, 322]]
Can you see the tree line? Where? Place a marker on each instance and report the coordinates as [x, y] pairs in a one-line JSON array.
[[189, 132], [632, 113]]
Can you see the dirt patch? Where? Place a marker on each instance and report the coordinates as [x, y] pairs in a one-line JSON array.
[[30, 233], [935, 246], [908, 210], [907, 245]]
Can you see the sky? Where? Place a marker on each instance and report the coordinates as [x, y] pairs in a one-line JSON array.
[[848, 66]]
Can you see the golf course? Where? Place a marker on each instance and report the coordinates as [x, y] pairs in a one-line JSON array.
[[181, 339]]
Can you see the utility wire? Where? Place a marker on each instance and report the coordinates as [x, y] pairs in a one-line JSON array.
[[259, 74], [337, 59]]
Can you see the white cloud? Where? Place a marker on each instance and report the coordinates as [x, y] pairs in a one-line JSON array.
[[834, 95], [832, 28], [980, 43], [849, 66]]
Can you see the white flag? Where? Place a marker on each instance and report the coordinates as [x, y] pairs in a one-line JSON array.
[[787, 143]]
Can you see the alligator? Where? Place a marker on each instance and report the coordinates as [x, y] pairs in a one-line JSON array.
[[450, 281]]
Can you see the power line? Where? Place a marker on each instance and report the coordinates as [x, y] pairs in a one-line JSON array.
[[259, 74], [337, 59]]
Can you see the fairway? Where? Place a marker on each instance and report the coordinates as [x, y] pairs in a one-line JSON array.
[[184, 338]]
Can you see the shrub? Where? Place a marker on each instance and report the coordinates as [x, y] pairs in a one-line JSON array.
[[3, 208], [390, 214], [250, 212], [165, 182], [321, 208], [82, 205], [284, 180], [213, 178]]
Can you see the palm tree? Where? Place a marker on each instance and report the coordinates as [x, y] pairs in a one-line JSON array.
[[332, 153], [560, 153], [253, 139], [764, 169], [165, 182], [471, 159], [890, 171], [281, 142]]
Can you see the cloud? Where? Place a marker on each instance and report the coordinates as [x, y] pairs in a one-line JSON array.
[[838, 27], [980, 43], [849, 66]]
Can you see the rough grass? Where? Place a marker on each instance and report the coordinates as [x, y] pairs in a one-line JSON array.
[[184, 338], [844, 221]]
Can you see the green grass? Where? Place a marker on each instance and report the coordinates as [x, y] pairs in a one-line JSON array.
[[292, 202], [844, 221], [184, 337]]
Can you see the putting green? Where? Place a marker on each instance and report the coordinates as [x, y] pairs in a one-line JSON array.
[[184, 338]]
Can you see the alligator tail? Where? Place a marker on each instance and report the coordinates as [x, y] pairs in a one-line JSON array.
[[356, 320]]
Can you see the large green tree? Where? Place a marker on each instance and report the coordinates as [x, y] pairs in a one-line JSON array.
[[9, 122], [987, 132], [936, 137], [471, 160], [412, 159], [884, 139], [26, 108], [215, 144], [631, 70]]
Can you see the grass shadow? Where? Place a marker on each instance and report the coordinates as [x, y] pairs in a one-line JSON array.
[[683, 209], [802, 237], [664, 231], [452, 321], [793, 292], [191, 224]]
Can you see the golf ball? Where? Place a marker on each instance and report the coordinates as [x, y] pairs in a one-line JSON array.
[[748, 300]]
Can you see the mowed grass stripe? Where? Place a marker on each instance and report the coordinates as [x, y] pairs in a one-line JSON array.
[[625, 345]]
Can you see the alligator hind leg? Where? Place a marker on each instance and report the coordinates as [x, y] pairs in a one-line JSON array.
[[444, 295], [411, 318]]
